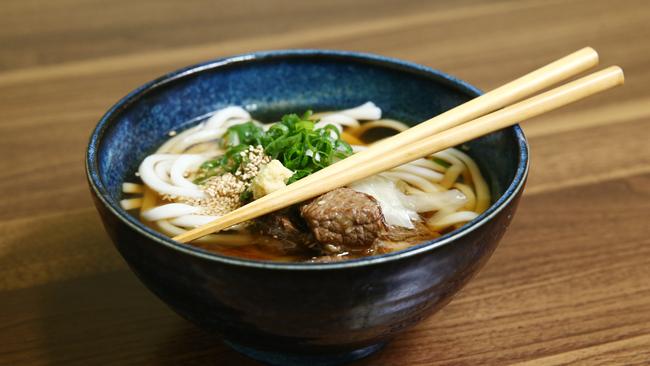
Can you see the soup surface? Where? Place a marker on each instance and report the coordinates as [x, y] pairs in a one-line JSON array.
[[230, 159]]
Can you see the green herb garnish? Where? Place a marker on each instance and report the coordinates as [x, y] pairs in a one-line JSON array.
[[303, 148], [294, 141]]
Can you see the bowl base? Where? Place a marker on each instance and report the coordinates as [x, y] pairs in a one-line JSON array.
[[297, 359]]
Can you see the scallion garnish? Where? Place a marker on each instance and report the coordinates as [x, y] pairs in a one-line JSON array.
[[294, 141]]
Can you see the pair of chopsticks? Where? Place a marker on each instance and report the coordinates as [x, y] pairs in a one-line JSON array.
[[480, 116]]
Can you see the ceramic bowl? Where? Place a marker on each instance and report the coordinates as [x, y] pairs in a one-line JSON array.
[[299, 313]]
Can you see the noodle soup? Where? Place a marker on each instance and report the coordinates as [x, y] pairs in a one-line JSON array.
[[230, 159]]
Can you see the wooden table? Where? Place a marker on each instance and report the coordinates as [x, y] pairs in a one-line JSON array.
[[570, 282]]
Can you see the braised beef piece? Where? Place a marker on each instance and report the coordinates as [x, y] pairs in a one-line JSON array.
[[344, 220], [338, 225], [288, 227], [419, 233]]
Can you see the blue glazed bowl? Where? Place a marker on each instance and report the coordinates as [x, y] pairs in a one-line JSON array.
[[299, 313]]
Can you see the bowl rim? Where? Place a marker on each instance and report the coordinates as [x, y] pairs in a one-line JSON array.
[[97, 187]]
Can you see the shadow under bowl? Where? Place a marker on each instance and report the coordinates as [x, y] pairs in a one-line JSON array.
[[299, 313]]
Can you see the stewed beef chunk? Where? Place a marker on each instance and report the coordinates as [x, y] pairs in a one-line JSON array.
[[344, 219], [288, 227], [419, 233]]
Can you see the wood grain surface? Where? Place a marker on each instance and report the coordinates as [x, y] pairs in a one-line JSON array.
[[569, 284]]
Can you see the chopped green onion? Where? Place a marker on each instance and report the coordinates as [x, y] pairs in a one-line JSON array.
[[294, 141]]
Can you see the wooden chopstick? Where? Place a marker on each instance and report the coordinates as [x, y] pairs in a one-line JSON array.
[[426, 145], [508, 116], [525, 86], [520, 88]]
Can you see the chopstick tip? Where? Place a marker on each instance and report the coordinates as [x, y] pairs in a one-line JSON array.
[[619, 72], [615, 74], [592, 53], [182, 238]]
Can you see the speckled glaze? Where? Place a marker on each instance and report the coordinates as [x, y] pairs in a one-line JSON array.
[[299, 313]]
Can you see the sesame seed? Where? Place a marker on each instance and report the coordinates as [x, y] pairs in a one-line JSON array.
[[223, 191]]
